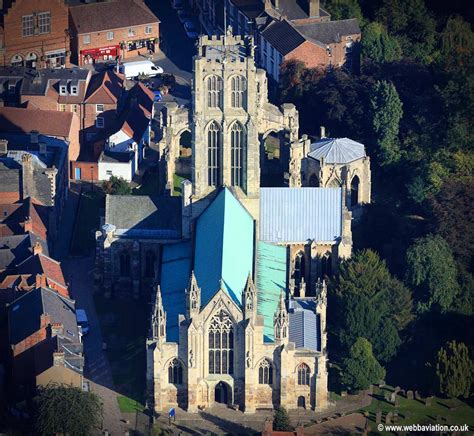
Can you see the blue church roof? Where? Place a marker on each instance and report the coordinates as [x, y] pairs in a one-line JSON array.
[[175, 273], [224, 247], [298, 214], [337, 150], [270, 282], [304, 324]]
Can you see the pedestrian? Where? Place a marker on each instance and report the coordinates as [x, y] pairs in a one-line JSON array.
[[139, 53]]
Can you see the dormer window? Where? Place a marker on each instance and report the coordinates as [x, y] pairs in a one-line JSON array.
[[74, 90], [11, 88], [62, 90]]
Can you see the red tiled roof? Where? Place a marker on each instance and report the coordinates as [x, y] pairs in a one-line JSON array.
[[105, 87]]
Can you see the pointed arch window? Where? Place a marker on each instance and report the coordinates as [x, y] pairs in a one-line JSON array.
[[326, 265], [238, 153], [175, 372], [238, 87], [304, 374], [265, 373], [299, 268], [221, 344], [214, 91], [214, 153], [355, 191]]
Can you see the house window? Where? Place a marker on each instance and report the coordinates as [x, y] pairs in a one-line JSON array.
[[237, 151], [27, 25], [44, 22], [148, 30], [86, 39], [74, 108], [99, 122], [131, 32], [108, 173], [237, 91], [110, 36], [175, 372], [74, 90], [214, 88], [11, 88], [303, 374], [221, 344], [265, 373], [62, 107], [214, 153], [99, 108]]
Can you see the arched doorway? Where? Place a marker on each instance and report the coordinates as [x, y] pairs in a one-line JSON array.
[[16, 61], [271, 160], [355, 191], [31, 59], [302, 402], [221, 393]]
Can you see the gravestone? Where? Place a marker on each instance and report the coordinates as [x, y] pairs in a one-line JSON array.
[[397, 389], [397, 401], [393, 397], [381, 383], [344, 394], [418, 396], [410, 395], [388, 418], [378, 417], [428, 401]]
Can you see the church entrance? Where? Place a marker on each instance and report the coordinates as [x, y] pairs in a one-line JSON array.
[[302, 402], [221, 393]]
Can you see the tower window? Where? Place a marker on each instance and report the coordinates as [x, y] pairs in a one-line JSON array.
[[175, 372], [214, 153], [238, 152], [214, 91], [237, 91], [265, 373], [303, 374]]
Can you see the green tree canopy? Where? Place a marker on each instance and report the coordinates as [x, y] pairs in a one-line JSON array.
[[281, 420], [454, 369], [361, 368], [116, 186], [67, 410], [387, 112], [432, 271], [344, 9], [378, 46]]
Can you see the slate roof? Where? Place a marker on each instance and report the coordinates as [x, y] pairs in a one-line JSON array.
[[304, 324], [251, 8], [9, 179], [97, 17], [329, 32], [296, 215], [14, 249], [270, 281], [36, 82], [224, 246], [19, 120], [337, 150], [144, 216], [25, 313], [283, 36]]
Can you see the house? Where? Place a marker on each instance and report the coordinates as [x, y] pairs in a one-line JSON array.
[[99, 35], [10, 84], [125, 148], [43, 334], [34, 33]]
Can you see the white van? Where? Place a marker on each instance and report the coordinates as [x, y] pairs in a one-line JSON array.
[[82, 321], [131, 70]]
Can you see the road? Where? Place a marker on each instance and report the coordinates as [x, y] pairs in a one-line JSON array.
[[79, 273]]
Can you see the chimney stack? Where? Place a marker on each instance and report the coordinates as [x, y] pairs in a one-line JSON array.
[[323, 132], [313, 8], [37, 248], [40, 281], [28, 224]]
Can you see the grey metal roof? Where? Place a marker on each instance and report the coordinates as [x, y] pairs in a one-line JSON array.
[[144, 215], [331, 31], [283, 36], [337, 150], [304, 324], [300, 214]]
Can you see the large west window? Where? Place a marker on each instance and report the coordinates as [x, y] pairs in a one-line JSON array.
[[237, 91], [221, 344], [237, 148], [214, 91], [214, 153], [44, 22]]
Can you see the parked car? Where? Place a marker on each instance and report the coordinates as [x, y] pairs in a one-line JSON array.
[[82, 321], [131, 70], [190, 29]]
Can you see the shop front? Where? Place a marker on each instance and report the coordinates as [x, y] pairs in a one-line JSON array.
[[55, 58], [93, 55], [139, 46]]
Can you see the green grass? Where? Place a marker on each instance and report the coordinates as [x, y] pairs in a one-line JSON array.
[[177, 185], [124, 325], [149, 186], [127, 405], [415, 412], [87, 222]]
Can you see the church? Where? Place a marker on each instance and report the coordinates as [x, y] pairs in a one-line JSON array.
[[237, 262]]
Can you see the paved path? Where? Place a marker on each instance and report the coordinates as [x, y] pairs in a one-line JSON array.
[[79, 272]]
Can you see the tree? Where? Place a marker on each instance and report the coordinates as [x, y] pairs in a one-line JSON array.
[[432, 270], [457, 42], [344, 9], [378, 46], [281, 420], [361, 368], [387, 111], [116, 186], [67, 410], [454, 369]]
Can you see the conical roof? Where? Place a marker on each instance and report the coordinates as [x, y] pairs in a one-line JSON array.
[[337, 150]]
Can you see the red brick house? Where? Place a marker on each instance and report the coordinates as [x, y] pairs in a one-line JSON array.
[[98, 34], [34, 33]]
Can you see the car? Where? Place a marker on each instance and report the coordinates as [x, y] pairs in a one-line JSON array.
[[82, 321], [157, 96], [183, 16]]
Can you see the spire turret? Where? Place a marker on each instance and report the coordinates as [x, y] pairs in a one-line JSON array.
[[280, 321], [158, 320], [193, 294]]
